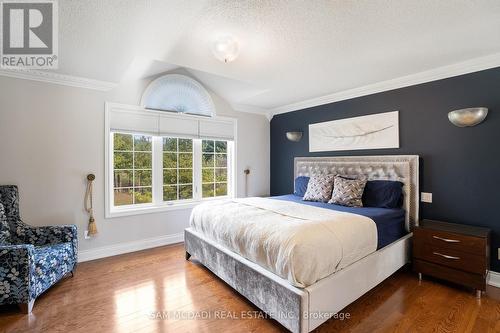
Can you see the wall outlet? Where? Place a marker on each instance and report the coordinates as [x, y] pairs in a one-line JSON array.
[[426, 197], [499, 253], [86, 234]]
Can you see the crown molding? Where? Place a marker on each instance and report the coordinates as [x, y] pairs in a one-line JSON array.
[[252, 109], [56, 78], [469, 66]]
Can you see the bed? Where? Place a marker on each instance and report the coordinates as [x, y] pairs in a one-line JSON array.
[[390, 222], [302, 306]]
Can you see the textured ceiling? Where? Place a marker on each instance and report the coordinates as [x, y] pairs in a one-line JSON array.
[[290, 50]]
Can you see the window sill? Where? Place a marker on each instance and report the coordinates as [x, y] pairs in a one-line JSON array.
[[113, 213]]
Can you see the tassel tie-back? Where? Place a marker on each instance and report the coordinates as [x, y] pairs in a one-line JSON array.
[[92, 228]]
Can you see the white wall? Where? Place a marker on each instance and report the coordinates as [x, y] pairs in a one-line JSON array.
[[52, 136]]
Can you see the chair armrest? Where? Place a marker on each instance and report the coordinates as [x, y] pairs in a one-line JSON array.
[[54, 234], [24, 252], [17, 270]]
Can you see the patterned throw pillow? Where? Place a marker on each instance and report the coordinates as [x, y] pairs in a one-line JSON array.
[[319, 188], [348, 192]]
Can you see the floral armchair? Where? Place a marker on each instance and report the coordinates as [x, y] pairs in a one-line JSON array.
[[32, 259]]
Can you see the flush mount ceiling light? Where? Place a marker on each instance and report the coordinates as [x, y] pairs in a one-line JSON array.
[[226, 49]]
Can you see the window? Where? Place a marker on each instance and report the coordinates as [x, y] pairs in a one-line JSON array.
[[132, 169], [164, 171], [158, 160], [177, 169], [214, 168]]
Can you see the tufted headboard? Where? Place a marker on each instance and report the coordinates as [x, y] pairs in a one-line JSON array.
[[403, 168]]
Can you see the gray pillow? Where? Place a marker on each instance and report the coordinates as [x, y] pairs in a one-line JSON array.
[[348, 192], [319, 188]]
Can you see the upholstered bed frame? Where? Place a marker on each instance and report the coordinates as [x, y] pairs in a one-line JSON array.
[[302, 310]]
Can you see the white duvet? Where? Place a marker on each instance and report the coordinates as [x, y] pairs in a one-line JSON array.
[[300, 243]]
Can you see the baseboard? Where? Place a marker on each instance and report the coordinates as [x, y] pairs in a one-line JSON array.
[[121, 248], [494, 279]]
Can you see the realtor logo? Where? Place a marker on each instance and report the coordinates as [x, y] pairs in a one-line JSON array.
[[29, 34]]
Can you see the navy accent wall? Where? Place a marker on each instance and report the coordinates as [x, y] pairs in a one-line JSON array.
[[460, 166]]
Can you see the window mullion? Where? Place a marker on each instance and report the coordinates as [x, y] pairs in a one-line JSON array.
[[157, 170], [196, 169]]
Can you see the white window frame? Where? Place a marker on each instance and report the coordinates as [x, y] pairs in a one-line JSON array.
[[158, 205], [112, 152]]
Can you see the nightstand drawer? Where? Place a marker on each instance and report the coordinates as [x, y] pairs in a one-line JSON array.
[[451, 258], [443, 239], [454, 275]]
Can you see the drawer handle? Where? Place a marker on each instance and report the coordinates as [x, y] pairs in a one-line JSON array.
[[446, 256], [447, 240]]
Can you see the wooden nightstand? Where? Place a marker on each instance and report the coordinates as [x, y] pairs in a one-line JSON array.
[[454, 252]]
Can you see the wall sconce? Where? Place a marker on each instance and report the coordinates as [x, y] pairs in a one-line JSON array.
[[468, 117], [294, 136]]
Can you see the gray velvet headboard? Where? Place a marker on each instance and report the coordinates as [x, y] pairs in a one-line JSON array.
[[403, 168]]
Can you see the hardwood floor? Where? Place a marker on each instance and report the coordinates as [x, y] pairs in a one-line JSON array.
[[131, 293]]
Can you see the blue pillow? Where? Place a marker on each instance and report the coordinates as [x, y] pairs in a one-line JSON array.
[[383, 194], [301, 185]]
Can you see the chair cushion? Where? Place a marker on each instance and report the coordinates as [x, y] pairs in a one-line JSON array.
[[52, 262]]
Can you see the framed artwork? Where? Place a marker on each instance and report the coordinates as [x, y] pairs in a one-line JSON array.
[[374, 131]]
